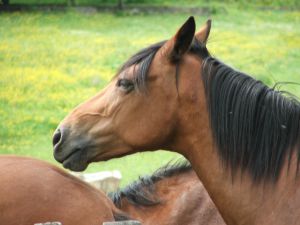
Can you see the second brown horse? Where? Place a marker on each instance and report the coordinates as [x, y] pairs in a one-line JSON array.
[[173, 195], [33, 191]]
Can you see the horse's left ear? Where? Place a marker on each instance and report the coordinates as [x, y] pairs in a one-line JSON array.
[[180, 43], [203, 33]]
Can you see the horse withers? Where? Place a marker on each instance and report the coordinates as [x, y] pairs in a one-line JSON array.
[[241, 137]]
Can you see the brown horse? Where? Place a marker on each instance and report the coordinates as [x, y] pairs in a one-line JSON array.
[[241, 137], [33, 191], [172, 195]]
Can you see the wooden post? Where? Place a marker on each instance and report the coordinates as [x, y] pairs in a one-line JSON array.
[[125, 222], [5, 2], [71, 3], [49, 223], [120, 5]]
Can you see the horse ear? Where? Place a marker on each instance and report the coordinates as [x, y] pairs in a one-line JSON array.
[[182, 40], [203, 33]]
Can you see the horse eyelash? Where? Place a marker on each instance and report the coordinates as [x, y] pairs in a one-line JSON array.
[[127, 89]]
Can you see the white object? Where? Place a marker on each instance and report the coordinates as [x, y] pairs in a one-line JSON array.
[[107, 181]]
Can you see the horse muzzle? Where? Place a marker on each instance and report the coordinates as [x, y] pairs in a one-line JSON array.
[[70, 152]]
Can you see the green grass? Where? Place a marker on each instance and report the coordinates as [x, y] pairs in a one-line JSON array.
[[50, 62]]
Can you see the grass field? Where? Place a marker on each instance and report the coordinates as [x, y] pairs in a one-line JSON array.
[[50, 62]]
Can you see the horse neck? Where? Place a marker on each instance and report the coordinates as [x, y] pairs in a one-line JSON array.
[[239, 201]]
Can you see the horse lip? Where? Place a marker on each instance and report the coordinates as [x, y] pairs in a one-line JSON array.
[[76, 160], [66, 157]]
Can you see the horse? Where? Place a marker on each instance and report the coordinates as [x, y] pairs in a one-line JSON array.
[[172, 195], [33, 192], [241, 137]]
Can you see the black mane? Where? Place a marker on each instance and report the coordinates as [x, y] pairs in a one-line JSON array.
[[255, 128], [142, 191]]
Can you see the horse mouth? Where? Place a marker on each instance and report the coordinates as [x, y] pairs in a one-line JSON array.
[[76, 160], [77, 156]]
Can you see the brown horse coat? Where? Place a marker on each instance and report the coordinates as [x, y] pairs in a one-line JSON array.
[[33, 191], [173, 195], [242, 137]]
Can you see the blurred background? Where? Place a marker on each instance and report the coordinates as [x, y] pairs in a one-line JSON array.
[[54, 54]]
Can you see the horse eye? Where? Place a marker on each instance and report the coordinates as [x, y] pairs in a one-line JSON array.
[[125, 84]]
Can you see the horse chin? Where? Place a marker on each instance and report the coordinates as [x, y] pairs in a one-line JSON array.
[[77, 161]]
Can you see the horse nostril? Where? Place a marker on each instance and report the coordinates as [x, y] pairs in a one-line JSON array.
[[57, 137]]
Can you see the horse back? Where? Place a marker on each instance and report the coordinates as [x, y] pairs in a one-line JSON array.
[[33, 191]]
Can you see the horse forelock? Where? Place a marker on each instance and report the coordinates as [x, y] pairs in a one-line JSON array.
[[143, 59], [255, 128]]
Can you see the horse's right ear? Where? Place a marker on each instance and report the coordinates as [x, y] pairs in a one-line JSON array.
[[180, 43]]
